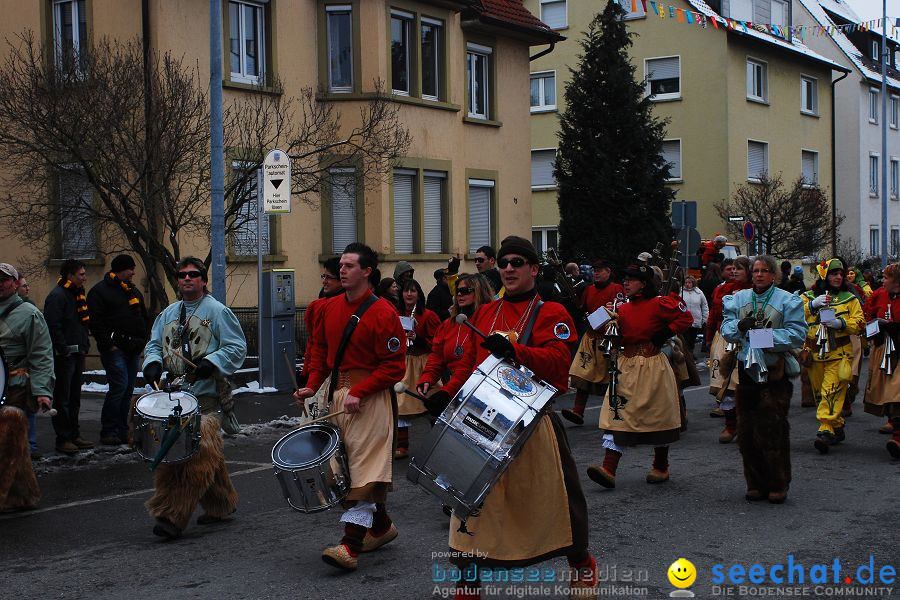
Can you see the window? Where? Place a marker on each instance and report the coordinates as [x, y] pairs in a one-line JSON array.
[[809, 95], [419, 215], [895, 110], [246, 222], [343, 209], [481, 196], [638, 11], [69, 32], [895, 178], [543, 91], [875, 50], [874, 238], [542, 162], [404, 217], [757, 81], [401, 24], [77, 225], [545, 238], [757, 160], [895, 243], [741, 10], [873, 175], [663, 77], [671, 153], [553, 13], [247, 36], [432, 57], [478, 63], [434, 207], [339, 31], [809, 164], [780, 15], [873, 106]]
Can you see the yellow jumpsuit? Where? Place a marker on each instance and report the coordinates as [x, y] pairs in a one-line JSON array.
[[830, 374]]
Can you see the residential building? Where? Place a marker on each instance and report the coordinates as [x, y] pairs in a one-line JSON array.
[[458, 70], [859, 124], [737, 102]]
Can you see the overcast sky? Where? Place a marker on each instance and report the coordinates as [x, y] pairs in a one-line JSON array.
[[871, 9]]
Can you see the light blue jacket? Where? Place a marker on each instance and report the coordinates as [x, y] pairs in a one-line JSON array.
[[784, 314]]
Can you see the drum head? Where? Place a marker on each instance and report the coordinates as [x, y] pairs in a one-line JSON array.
[[305, 446], [160, 404]]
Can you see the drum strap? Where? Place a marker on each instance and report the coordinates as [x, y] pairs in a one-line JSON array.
[[345, 340], [526, 333]]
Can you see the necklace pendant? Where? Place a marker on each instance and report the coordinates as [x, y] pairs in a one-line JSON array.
[[760, 317], [458, 351]]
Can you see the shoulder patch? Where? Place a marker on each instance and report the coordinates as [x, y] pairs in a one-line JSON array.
[[393, 344], [561, 330]]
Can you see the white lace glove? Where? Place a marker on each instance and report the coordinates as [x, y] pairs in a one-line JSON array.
[[818, 302]]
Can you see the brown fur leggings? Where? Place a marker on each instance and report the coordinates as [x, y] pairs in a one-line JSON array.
[[18, 484]]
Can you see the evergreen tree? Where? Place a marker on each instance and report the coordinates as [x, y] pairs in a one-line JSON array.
[[613, 200]]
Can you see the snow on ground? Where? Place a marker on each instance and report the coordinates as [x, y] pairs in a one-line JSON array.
[[252, 387]]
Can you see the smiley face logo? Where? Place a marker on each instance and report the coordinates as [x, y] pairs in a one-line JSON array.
[[682, 573]]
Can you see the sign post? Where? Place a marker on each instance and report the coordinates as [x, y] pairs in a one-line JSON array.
[[749, 231], [276, 190]]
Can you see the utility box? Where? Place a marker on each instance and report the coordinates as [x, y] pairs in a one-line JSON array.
[[277, 353]]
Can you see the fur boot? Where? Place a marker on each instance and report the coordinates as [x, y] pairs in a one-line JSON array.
[[18, 484]]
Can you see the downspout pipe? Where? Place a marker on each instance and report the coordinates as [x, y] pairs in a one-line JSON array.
[[543, 52], [834, 167]]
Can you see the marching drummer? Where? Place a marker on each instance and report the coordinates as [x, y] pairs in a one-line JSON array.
[[361, 380], [537, 508], [645, 408], [200, 329]]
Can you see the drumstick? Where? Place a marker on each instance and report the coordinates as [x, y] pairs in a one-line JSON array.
[[464, 320], [328, 416], [401, 388], [291, 370], [182, 357]]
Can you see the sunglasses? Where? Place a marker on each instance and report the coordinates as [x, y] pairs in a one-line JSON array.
[[465, 290], [191, 274], [327, 277], [515, 262], [479, 260]]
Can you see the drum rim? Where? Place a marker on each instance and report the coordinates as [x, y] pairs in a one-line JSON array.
[[333, 432], [185, 413]]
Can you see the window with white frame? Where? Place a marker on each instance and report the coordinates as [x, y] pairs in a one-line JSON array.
[[895, 111], [404, 214], [809, 95], [671, 153], [873, 106], [481, 195], [478, 59], [343, 209], [545, 239], [809, 167], [757, 80], [875, 50], [553, 13], [873, 175], [401, 46], [874, 239], [339, 34], [757, 160], [895, 178], [542, 162], [247, 41], [663, 77], [247, 220], [432, 40], [69, 32], [77, 220], [543, 91], [895, 242], [779, 13]]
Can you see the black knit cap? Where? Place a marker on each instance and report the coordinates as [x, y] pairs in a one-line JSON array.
[[639, 272], [514, 244], [122, 262]]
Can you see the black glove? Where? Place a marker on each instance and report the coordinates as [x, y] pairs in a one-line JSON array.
[[204, 370], [153, 373], [437, 402], [453, 265], [746, 324], [660, 338], [499, 346]]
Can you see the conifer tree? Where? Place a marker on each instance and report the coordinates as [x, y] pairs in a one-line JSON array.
[[613, 200]]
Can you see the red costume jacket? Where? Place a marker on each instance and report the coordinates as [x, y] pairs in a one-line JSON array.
[[443, 355], [378, 344], [641, 318], [593, 297], [876, 306], [426, 327], [311, 318], [714, 320]]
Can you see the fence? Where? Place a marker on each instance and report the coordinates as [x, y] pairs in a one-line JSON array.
[[249, 320]]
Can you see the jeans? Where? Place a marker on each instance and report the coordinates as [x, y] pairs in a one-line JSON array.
[[67, 396], [121, 371], [32, 431]]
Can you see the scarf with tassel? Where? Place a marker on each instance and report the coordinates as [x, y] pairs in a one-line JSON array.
[[133, 300], [81, 307]]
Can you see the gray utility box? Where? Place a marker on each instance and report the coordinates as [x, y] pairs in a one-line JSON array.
[[277, 354]]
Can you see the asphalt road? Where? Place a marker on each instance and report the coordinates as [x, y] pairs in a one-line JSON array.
[[91, 536]]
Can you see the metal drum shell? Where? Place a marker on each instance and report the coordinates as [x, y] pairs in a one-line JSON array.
[[150, 430], [319, 483]]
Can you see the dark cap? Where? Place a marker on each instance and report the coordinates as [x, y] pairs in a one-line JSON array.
[[640, 272], [514, 244], [121, 263]]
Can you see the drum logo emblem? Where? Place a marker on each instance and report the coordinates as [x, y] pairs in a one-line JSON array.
[[393, 344], [561, 331], [515, 381]]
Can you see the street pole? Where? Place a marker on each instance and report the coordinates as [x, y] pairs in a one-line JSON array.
[[217, 152], [884, 129]]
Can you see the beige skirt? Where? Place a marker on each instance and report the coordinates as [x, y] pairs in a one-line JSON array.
[[856, 343], [882, 391], [407, 406], [716, 381], [526, 514], [649, 393], [589, 365]]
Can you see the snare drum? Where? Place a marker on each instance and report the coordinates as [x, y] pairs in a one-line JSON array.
[[155, 415], [479, 434], [311, 465]]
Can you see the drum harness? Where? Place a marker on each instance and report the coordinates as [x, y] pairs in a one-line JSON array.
[[342, 347]]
